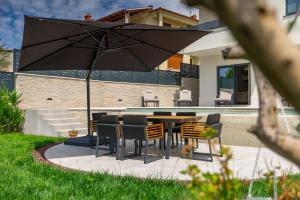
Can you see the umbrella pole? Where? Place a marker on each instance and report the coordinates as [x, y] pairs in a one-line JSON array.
[[88, 102]]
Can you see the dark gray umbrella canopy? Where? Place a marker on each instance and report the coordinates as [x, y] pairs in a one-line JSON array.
[[55, 44], [58, 44]]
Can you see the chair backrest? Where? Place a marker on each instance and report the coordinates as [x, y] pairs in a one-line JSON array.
[[97, 116], [108, 126], [218, 128], [162, 113], [109, 119], [135, 119], [148, 95], [186, 114], [134, 127], [185, 95], [226, 94], [213, 119]]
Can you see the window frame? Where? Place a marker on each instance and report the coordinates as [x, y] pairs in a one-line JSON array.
[[286, 9]]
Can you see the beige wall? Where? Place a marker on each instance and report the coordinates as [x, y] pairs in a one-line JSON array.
[[71, 93]]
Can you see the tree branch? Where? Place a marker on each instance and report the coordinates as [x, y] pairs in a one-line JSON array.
[[234, 53], [267, 129]]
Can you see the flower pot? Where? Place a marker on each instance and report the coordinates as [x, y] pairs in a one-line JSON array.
[[73, 133]]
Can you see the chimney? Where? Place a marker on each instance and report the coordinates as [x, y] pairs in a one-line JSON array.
[[194, 17], [88, 17]]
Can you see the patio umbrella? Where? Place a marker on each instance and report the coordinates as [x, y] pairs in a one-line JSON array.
[[59, 44]]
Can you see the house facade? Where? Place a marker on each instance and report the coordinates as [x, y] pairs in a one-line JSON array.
[[158, 17], [217, 74]]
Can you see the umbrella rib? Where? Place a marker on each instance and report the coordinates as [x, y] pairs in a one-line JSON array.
[[58, 50], [124, 47], [149, 44], [54, 40], [138, 58], [84, 44], [131, 38], [92, 36]]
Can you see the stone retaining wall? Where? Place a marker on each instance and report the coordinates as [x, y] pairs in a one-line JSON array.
[[56, 92]]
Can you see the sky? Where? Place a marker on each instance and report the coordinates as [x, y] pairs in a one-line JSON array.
[[12, 12]]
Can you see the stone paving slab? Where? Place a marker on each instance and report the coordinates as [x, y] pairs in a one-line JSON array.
[[83, 158]]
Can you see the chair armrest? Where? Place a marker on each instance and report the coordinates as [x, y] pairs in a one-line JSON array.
[[155, 131], [193, 130]]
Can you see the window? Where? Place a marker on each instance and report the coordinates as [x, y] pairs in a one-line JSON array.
[[211, 25], [234, 80], [292, 6]]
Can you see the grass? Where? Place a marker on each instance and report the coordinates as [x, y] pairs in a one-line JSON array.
[[23, 178]]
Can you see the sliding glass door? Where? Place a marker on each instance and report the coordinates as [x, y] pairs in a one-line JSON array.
[[234, 79]]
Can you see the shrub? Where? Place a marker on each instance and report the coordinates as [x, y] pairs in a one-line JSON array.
[[11, 116], [211, 186]]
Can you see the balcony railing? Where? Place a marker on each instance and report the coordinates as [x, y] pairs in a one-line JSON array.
[[210, 25], [189, 71]]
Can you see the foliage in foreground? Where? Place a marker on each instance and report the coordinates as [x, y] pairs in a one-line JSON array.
[[224, 186], [11, 116], [23, 178], [209, 186]]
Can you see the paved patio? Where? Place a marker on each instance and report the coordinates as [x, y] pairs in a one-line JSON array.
[[83, 158]]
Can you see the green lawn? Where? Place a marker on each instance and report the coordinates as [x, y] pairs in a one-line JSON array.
[[23, 178]]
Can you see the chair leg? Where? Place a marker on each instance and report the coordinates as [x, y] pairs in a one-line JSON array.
[[135, 147], [172, 139], [181, 145], [162, 149], [221, 150], [160, 144], [146, 151], [176, 139], [112, 145], [118, 150], [197, 143], [123, 148], [210, 151], [97, 146], [140, 147]]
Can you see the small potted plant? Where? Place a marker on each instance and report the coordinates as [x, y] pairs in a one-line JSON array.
[[73, 133]]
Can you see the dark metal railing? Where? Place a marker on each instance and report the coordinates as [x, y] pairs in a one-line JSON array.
[[7, 79], [153, 77], [189, 71]]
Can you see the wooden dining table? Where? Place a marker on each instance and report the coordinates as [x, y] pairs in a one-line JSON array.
[[170, 122]]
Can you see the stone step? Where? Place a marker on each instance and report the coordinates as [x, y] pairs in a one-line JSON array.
[[57, 116], [52, 111], [62, 120], [68, 126]]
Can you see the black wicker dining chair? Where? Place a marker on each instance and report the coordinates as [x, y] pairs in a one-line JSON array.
[[176, 128], [162, 113], [108, 127], [196, 130], [136, 127]]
